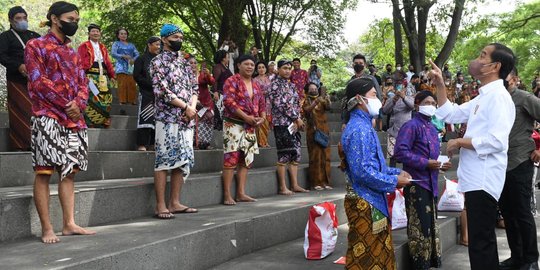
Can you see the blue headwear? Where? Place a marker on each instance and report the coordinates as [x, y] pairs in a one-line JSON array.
[[170, 29]]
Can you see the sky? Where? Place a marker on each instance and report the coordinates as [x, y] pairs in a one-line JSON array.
[[358, 20]]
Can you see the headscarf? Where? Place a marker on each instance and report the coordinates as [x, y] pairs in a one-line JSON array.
[[151, 40], [169, 30], [420, 96], [57, 9], [14, 10], [283, 62]]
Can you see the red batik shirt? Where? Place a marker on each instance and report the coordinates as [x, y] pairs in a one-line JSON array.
[[54, 79], [300, 78], [236, 97]]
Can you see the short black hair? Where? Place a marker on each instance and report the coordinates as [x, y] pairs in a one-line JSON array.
[[414, 76], [306, 87], [296, 59], [359, 56], [387, 65], [219, 55], [505, 56]]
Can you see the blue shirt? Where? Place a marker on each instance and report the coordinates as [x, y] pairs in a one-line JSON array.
[[366, 168], [118, 50]]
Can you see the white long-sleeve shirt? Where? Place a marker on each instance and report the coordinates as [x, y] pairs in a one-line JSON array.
[[489, 119]]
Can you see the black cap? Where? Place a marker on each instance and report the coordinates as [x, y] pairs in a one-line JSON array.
[[359, 86], [14, 10], [283, 62], [93, 26]]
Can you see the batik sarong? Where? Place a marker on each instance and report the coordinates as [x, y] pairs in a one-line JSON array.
[[239, 144], [288, 145], [174, 148]]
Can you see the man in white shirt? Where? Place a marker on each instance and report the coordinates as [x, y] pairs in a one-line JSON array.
[[483, 148]]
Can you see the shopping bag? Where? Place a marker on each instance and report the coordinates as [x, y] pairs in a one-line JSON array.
[[451, 199], [321, 231], [396, 209]]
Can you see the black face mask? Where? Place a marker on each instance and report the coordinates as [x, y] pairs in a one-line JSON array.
[[358, 67], [175, 45], [69, 28]]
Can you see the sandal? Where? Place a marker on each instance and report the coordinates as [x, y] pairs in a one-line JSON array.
[[164, 215], [319, 188]]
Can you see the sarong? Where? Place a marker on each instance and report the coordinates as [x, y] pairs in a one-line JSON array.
[[127, 88], [288, 145], [57, 147], [204, 129], [422, 229], [239, 144], [262, 133], [97, 113], [174, 148], [390, 143], [20, 112], [366, 249]]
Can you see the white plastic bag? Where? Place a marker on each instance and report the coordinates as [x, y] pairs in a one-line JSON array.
[[321, 231], [396, 207], [451, 199]]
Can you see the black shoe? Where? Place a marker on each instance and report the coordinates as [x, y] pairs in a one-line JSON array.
[[529, 266], [509, 264]]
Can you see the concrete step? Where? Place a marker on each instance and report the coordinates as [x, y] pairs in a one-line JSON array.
[[290, 255], [195, 241], [16, 168], [126, 109], [101, 202]]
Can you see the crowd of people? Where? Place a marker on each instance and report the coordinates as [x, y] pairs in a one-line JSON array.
[[55, 93]]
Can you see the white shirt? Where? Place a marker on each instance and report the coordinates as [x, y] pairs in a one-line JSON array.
[[409, 76], [98, 57], [489, 117]]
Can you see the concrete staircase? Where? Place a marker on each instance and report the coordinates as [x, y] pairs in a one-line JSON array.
[[116, 198]]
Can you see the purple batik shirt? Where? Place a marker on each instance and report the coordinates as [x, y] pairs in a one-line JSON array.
[[416, 143]]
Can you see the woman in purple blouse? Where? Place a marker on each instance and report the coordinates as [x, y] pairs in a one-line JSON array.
[[417, 147]]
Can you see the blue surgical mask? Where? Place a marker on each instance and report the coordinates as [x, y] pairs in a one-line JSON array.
[[21, 25]]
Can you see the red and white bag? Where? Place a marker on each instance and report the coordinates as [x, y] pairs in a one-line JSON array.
[[321, 231], [451, 199], [396, 209]]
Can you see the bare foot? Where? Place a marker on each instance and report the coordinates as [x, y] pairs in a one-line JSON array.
[[286, 192], [328, 187], [228, 200], [300, 189], [176, 207], [318, 188], [48, 237], [245, 198], [75, 229]]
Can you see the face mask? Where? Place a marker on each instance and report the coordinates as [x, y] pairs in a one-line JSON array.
[[358, 67], [69, 28], [226, 48], [373, 105], [388, 69], [398, 68], [21, 25], [314, 96], [428, 110], [475, 67], [175, 45]]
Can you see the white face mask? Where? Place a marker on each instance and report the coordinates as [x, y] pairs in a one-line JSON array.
[[428, 110], [398, 68], [373, 105]]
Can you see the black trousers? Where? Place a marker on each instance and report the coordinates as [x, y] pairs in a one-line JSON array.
[[481, 218], [515, 205], [145, 136]]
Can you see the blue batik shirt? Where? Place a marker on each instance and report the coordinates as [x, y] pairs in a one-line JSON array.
[[366, 168]]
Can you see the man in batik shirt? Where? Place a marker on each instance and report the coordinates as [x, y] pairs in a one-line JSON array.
[[58, 90], [287, 125], [299, 77], [175, 88]]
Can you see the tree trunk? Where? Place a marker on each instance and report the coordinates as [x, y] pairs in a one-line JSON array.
[[254, 18], [398, 40], [423, 13], [232, 23], [445, 52]]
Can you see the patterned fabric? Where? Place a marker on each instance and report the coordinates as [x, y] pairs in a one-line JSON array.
[[172, 78], [205, 98], [400, 111], [120, 49], [97, 111], [174, 148], [422, 229], [299, 78], [204, 130], [366, 166], [238, 139], [366, 250], [236, 97], [265, 85], [319, 157], [54, 79], [390, 144], [264, 128], [314, 78], [55, 146], [289, 147], [20, 112], [418, 142], [87, 54], [146, 94], [285, 102], [262, 133]]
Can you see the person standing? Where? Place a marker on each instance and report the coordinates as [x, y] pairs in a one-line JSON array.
[[483, 149], [315, 107], [204, 129], [57, 86], [12, 45], [369, 179], [418, 149], [299, 77], [516, 195], [175, 89], [98, 67], [315, 73], [125, 54], [245, 110], [262, 78], [287, 123], [221, 73], [145, 121], [410, 73]]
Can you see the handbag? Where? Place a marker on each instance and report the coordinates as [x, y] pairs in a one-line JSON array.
[[321, 138]]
